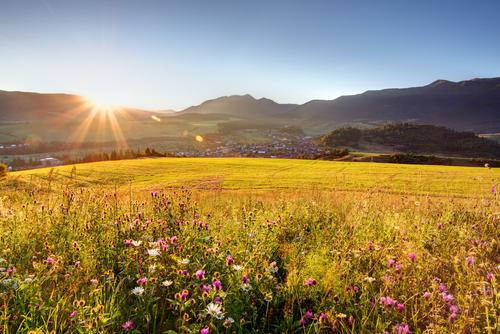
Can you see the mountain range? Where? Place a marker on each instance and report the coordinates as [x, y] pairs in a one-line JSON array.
[[471, 105]]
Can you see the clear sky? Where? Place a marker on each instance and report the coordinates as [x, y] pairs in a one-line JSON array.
[[173, 54]]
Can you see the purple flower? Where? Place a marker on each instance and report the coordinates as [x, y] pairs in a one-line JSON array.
[[489, 276], [469, 260], [322, 317], [51, 260], [391, 262], [217, 285], [426, 295], [493, 190], [200, 274], [128, 325], [73, 314], [204, 330], [447, 298], [10, 271], [142, 281], [453, 308], [400, 307], [229, 260], [244, 278], [440, 226], [442, 287], [310, 281], [173, 239], [402, 329], [412, 256], [308, 314]]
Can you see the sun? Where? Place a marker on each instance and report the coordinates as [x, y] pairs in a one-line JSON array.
[[103, 106]]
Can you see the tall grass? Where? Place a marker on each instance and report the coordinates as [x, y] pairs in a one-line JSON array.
[[104, 260]]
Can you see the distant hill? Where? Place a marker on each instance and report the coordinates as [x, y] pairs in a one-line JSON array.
[[242, 106], [472, 105], [412, 138]]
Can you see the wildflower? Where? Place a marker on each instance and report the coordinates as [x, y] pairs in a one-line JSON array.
[[237, 268], [440, 226], [154, 252], [308, 314], [136, 243], [369, 279], [228, 322], [128, 325], [205, 288], [273, 268], [10, 271], [152, 268], [245, 287], [184, 261], [94, 281], [442, 287], [229, 260], [322, 317], [138, 291], [400, 307], [217, 285], [493, 190], [77, 264], [73, 314], [268, 297], [204, 330], [426, 295], [167, 283], [310, 281], [489, 276], [173, 239], [412, 256], [142, 281], [447, 298], [200, 274], [391, 262], [244, 278], [469, 260], [51, 260], [127, 242], [402, 329], [215, 311]]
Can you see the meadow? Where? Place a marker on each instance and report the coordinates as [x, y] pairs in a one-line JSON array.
[[234, 245]]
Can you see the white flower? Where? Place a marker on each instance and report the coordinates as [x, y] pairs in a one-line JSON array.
[[246, 287], [369, 279], [184, 261], [237, 267], [228, 322], [94, 281], [136, 243], [152, 268], [273, 268], [215, 310], [167, 283], [154, 252], [138, 291]]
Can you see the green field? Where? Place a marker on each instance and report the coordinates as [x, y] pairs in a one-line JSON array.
[[229, 245]]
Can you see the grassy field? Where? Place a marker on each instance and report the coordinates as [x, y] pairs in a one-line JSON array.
[[249, 246], [276, 174]]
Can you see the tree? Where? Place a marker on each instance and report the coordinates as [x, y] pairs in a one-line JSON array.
[[3, 170]]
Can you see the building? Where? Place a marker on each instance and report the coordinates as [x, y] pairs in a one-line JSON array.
[[47, 162]]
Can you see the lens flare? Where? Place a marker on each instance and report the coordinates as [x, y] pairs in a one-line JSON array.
[[199, 138], [156, 118]]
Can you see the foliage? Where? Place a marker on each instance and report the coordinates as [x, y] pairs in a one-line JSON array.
[[413, 138]]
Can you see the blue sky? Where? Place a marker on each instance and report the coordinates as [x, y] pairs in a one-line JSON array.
[[173, 54]]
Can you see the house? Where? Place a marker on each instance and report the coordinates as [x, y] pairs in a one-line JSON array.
[[47, 162]]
